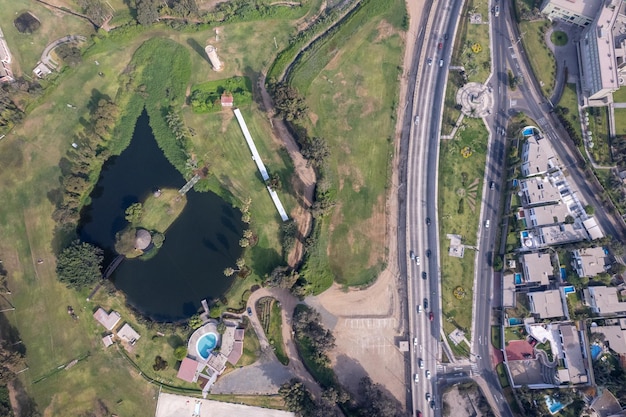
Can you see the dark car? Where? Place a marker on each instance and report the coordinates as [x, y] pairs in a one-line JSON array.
[[446, 36], [428, 253], [427, 221], [425, 303], [431, 316], [440, 46], [249, 310], [424, 276], [432, 405]]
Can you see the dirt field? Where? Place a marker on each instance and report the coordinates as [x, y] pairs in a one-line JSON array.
[[466, 403], [171, 405], [367, 323]]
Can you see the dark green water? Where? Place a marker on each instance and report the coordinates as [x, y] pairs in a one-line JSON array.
[[198, 246]]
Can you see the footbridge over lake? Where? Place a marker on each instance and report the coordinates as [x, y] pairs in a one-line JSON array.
[[189, 184]]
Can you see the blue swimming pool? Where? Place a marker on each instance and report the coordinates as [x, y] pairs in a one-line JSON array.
[[563, 274], [513, 321], [569, 290], [528, 131], [518, 278], [206, 344], [524, 234], [553, 405], [515, 183], [595, 351]]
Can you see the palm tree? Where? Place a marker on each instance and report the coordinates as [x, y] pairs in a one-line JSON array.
[[240, 263], [229, 271]]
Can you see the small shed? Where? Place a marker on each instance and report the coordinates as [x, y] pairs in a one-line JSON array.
[[107, 340], [128, 334], [227, 100], [142, 239]]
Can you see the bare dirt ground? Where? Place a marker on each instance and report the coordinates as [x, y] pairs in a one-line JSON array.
[[366, 323], [463, 403]]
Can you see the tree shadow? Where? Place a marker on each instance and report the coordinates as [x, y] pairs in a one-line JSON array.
[[95, 98]]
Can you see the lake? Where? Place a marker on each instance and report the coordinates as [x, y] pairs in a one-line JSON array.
[[199, 245]]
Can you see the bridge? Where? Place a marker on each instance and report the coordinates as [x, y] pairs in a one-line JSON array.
[[107, 273], [189, 184]]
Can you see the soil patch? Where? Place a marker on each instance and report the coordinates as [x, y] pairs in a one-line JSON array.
[[385, 30], [27, 23]]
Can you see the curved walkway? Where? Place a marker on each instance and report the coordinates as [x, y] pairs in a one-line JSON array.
[[45, 55]]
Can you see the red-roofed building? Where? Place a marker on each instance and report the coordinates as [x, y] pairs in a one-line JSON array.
[[239, 334], [188, 370], [227, 100], [235, 354]]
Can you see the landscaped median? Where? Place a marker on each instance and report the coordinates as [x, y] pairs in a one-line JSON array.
[[461, 172]]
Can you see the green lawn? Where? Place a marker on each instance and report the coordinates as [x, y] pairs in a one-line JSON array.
[[599, 126], [569, 101], [541, 58], [275, 335], [620, 95], [620, 121], [513, 333], [496, 337], [352, 105], [460, 193], [160, 212], [30, 175], [476, 63], [502, 375]]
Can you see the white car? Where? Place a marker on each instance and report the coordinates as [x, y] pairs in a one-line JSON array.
[[417, 260], [421, 364], [419, 308], [417, 119], [417, 378], [427, 374], [415, 341], [486, 225]]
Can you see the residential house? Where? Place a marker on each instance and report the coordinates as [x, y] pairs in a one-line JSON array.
[[538, 157], [590, 262], [537, 268], [538, 190], [572, 356], [546, 304], [108, 320], [128, 334], [604, 301]]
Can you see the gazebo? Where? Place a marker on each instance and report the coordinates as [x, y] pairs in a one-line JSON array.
[[142, 239]]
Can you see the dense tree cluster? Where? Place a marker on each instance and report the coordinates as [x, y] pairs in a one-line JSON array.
[[289, 104], [10, 95], [96, 10], [70, 54], [307, 326], [87, 154], [315, 150], [560, 112], [288, 235], [147, 11], [374, 401], [79, 264]]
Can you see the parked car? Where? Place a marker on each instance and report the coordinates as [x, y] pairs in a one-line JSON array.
[[249, 310]]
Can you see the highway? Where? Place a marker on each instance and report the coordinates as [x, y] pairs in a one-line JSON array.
[[422, 246]]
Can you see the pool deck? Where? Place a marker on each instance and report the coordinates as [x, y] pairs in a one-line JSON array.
[[209, 327]]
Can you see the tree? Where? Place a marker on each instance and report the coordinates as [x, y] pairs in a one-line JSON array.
[[180, 352], [195, 321], [243, 242], [245, 217], [288, 103], [147, 12], [79, 264], [315, 150], [158, 239], [288, 232], [125, 242], [221, 327], [229, 271], [70, 54], [240, 263], [282, 277], [247, 234], [297, 398], [274, 182], [159, 363], [134, 213], [590, 210], [375, 403]]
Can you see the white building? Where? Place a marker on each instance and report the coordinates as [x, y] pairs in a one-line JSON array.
[[546, 304], [597, 59], [590, 262], [537, 267], [604, 301], [577, 12], [538, 157]]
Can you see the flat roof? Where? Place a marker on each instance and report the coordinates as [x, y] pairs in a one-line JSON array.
[[546, 304], [615, 335], [128, 333], [592, 260], [537, 267], [539, 190], [537, 156], [593, 229], [545, 215], [605, 300], [573, 354], [171, 405], [587, 8], [562, 233], [188, 370], [508, 290]]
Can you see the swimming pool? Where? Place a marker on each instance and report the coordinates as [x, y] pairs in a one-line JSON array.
[[524, 234], [569, 290], [563, 274], [553, 405], [528, 131], [515, 321], [518, 278], [206, 344], [595, 351]]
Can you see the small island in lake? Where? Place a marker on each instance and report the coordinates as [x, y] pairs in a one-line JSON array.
[[148, 222]]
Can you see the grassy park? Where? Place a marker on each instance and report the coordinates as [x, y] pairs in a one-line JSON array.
[[620, 121], [541, 58], [29, 170], [159, 212], [352, 98], [461, 171]]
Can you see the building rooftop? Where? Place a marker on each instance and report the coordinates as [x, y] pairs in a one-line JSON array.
[[142, 239], [236, 353], [614, 335], [508, 290], [606, 404], [537, 156], [108, 320], [589, 262], [562, 233], [537, 267], [128, 334], [189, 370], [546, 304], [107, 340], [545, 215], [604, 300], [587, 8], [572, 348], [593, 229], [538, 190]]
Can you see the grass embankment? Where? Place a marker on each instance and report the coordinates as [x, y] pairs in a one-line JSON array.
[[620, 96], [496, 337], [160, 212], [268, 311], [540, 56], [460, 196], [502, 375], [35, 149], [620, 121], [352, 93]]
